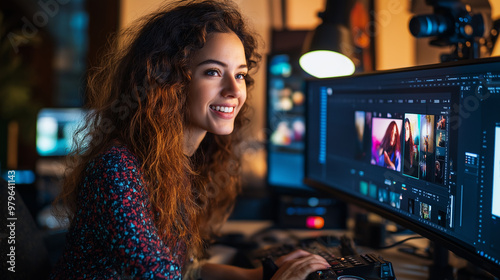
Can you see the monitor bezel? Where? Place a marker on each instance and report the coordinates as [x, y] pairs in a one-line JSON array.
[[427, 232]]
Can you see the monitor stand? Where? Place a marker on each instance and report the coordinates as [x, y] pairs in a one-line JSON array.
[[440, 269]]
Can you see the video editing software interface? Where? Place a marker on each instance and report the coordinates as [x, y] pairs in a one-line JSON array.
[[421, 143]]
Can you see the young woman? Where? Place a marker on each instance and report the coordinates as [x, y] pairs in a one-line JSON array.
[[410, 164], [390, 148], [157, 171]]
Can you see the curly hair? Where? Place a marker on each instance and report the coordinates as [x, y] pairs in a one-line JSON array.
[[138, 98]]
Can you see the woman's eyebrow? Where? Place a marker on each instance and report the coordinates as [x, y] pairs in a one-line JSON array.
[[213, 61]]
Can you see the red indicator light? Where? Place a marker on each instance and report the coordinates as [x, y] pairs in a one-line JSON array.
[[315, 222]]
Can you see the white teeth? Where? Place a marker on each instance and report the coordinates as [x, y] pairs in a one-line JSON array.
[[222, 109]]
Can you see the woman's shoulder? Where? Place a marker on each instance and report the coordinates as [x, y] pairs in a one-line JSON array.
[[120, 153], [116, 169], [115, 157]]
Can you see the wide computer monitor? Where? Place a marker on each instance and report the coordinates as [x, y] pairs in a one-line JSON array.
[[420, 146]]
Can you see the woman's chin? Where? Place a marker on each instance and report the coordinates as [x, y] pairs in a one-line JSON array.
[[224, 131]]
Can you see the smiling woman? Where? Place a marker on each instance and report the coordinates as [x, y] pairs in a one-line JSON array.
[[217, 91], [159, 172]]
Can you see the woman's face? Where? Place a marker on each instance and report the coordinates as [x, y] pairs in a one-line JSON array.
[[394, 135], [217, 90], [407, 131]]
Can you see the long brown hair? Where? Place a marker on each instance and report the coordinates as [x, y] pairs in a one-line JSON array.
[[409, 144], [138, 98], [386, 141]]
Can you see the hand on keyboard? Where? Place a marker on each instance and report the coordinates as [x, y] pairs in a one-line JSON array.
[[298, 265]]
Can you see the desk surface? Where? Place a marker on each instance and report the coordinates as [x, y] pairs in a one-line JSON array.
[[406, 266]]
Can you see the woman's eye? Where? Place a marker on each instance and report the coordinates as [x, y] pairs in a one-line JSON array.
[[212, 72], [241, 76]]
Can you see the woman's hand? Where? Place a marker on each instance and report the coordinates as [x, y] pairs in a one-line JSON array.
[[298, 265]]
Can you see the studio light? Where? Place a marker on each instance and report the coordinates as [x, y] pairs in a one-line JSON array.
[[327, 48]]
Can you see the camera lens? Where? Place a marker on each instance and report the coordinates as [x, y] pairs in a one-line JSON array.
[[430, 25]]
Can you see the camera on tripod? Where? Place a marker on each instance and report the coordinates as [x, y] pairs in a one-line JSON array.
[[453, 24]]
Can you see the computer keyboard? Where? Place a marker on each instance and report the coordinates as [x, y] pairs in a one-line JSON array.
[[276, 251], [363, 266], [366, 266]]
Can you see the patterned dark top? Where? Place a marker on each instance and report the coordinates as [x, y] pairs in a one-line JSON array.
[[113, 235]]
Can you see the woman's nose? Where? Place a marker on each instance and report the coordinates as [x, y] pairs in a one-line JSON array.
[[233, 87]]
